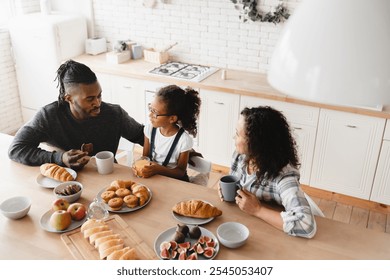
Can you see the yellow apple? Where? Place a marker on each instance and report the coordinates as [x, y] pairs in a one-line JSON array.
[[60, 220]]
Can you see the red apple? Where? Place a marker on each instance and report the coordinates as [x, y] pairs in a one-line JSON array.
[[60, 204], [77, 211], [60, 220]]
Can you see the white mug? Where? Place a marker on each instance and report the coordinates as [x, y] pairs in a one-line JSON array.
[[104, 162]]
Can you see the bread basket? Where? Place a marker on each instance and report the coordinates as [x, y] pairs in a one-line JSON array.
[[153, 56]]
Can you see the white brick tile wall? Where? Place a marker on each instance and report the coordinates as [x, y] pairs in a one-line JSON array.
[[208, 31], [10, 113]]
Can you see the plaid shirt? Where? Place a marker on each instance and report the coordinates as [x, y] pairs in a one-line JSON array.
[[285, 190]]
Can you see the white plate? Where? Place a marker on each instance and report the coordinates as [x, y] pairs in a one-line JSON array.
[[190, 220], [49, 183], [168, 236], [45, 223], [124, 208]]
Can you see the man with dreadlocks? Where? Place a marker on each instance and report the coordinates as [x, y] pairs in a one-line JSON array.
[[78, 117]]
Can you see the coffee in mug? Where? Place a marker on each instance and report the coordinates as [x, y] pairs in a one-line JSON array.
[[229, 187]]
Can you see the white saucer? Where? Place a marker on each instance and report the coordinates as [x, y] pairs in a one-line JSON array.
[[51, 183], [45, 223]]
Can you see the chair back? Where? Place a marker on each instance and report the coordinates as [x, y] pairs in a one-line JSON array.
[[201, 165], [314, 207]]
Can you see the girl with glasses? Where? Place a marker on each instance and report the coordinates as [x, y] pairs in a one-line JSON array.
[[173, 118]]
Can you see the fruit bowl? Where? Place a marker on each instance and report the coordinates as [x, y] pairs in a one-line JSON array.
[[232, 234], [71, 191], [15, 207]]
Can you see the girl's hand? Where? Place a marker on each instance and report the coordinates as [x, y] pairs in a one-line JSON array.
[[150, 170], [248, 202]]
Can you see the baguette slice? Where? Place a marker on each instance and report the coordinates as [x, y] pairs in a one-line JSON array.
[[98, 235], [129, 255], [90, 231], [103, 239], [109, 243], [110, 250], [56, 172], [90, 224], [118, 253]]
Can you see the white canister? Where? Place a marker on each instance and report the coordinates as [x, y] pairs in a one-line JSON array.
[[45, 7]]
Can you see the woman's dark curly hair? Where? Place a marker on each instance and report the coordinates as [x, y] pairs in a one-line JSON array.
[[270, 143], [184, 103], [72, 73]]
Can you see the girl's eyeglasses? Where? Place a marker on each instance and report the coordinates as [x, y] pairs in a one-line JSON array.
[[154, 113]]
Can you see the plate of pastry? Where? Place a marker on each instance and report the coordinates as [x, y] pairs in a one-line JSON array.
[[45, 223], [51, 183], [194, 243], [195, 212], [124, 199]]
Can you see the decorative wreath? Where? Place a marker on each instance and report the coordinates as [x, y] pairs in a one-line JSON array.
[[248, 10]]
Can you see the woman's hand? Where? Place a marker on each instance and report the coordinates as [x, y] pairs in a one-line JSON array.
[[248, 202]]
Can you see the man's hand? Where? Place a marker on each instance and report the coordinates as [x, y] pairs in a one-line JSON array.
[[194, 153], [75, 159]]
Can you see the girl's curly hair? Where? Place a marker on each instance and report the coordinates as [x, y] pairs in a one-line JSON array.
[[270, 143], [184, 103]]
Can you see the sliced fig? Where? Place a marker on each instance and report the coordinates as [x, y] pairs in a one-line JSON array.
[[165, 245], [193, 256], [186, 245], [201, 240], [164, 254], [183, 256], [210, 244], [208, 252], [193, 247], [199, 249], [173, 244], [207, 238], [181, 250], [174, 254]]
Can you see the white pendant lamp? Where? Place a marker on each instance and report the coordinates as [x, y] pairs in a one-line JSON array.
[[335, 52]]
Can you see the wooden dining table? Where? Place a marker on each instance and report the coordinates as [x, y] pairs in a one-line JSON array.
[[26, 239]]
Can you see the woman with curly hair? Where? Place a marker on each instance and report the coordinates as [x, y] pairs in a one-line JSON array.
[[173, 118], [266, 162]]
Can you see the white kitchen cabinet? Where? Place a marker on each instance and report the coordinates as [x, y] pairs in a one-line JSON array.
[[129, 93], [346, 153], [303, 121], [218, 118], [105, 83], [381, 188]]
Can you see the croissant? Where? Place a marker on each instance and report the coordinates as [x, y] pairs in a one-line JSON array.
[[55, 172], [196, 209]]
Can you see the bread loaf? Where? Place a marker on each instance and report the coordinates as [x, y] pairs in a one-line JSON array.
[[55, 172], [196, 209]]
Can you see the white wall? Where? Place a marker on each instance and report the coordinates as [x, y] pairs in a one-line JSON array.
[[208, 31], [10, 112]]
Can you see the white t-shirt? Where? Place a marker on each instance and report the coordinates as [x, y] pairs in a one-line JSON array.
[[162, 145]]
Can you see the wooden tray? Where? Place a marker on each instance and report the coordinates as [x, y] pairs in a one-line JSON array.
[[80, 248]]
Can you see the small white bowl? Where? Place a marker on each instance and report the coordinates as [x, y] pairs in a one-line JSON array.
[[15, 207], [232, 234], [72, 197]]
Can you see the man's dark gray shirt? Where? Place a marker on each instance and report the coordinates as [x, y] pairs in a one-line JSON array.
[[56, 126]]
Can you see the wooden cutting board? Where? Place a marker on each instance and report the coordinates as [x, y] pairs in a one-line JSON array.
[[81, 249]]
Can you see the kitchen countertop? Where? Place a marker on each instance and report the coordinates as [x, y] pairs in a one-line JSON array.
[[237, 82]]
